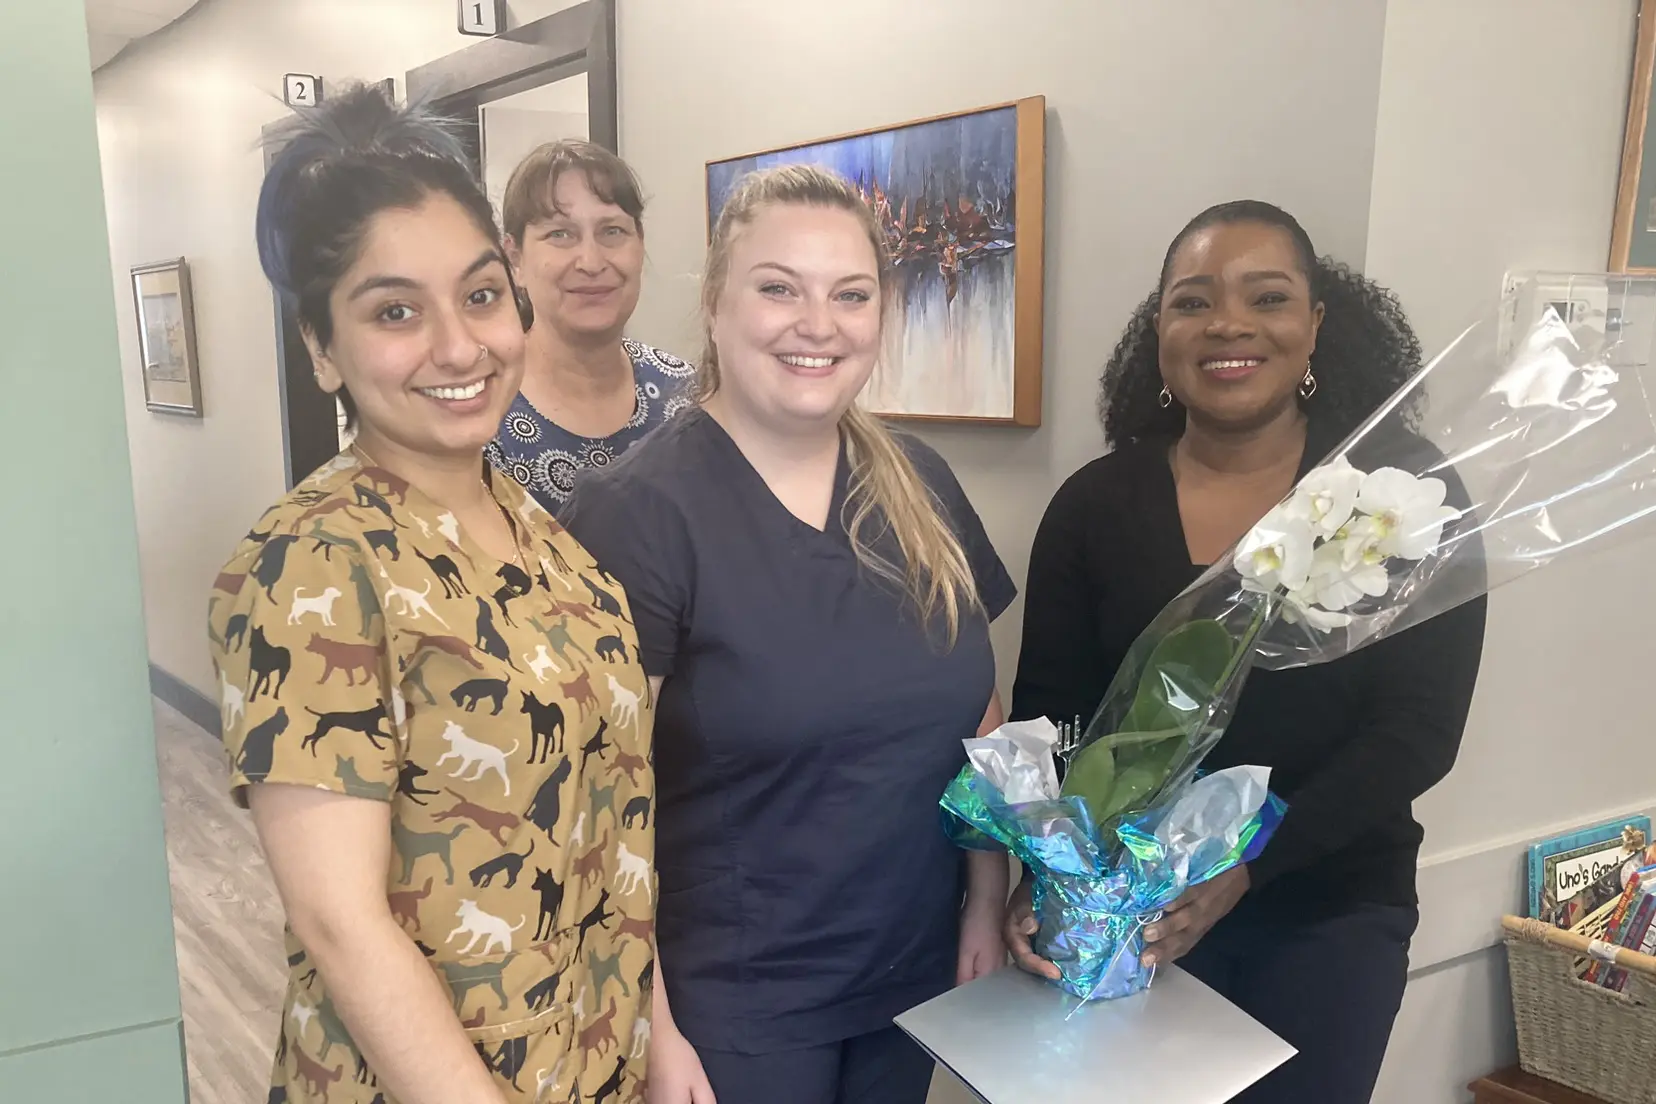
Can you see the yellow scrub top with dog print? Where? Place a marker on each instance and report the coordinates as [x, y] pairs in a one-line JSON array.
[[365, 645]]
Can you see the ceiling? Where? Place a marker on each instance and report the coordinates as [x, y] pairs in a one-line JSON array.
[[112, 24]]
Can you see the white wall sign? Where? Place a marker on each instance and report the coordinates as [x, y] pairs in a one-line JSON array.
[[301, 90], [480, 17]]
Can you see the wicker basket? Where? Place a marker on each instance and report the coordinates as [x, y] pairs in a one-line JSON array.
[[1578, 1034]]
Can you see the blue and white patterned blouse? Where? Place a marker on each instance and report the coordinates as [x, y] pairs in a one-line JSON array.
[[547, 458]]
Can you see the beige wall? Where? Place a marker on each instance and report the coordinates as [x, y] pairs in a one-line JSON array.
[[513, 127], [1133, 151], [512, 133], [1498, 147], [1498, 144], [1407, 136], [178, 121]]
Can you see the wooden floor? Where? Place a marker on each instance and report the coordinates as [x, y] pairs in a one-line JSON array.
[[227, 920]]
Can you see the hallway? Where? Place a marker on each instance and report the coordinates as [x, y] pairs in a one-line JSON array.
[[227, 920]]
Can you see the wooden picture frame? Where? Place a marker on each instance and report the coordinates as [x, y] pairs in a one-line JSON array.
[[1633, 234], [165, 315], [962, 199]]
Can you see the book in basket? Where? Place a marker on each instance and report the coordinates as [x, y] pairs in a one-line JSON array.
[[1574, 875]]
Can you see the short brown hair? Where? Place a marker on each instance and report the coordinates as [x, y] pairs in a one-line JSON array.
[[529, 191]]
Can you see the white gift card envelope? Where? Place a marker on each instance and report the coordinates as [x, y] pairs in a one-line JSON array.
[[1012, 1039]]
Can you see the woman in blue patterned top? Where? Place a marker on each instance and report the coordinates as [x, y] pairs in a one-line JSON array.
[[573, 216]]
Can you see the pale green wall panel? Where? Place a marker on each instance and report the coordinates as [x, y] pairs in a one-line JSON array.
[[85, 922], [140, 1066]]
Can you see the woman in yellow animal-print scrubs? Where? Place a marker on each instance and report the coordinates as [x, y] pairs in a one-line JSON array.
[[432, 698]]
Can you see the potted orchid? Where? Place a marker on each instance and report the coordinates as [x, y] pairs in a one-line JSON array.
[[1355, 553], [1312, 560]]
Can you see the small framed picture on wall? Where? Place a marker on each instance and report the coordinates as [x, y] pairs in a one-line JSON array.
[[166, 337], [1633, 235]]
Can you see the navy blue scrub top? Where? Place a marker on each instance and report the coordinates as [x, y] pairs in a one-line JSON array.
[[806, 729]]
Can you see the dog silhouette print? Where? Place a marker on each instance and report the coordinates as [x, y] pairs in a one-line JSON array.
[[625, 703], [509, 864], [612, 649], [638, 807], [384, 540], [540, 663], [368, 499], [551, 899], [492, 932], [515, 583], [489, 640], [272, 561], [546, 727], [270, 662], [499, 823], [604, 600], [468, 694], [544, 809], [258, 749], [365, 721], [413, 604], [352, 659], [475, 755], [454, 585], [413, 846], [408, 782], [320, 605]]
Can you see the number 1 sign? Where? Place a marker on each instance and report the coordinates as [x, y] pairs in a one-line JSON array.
[[480, 17]]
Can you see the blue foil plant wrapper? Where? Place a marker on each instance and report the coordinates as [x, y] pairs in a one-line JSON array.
[[1095, 891]]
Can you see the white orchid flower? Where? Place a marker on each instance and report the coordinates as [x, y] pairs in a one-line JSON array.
[[1343, 572], [1296, 609], [1326, 496], [1409, 512], [1360, 539], [1276, 552]]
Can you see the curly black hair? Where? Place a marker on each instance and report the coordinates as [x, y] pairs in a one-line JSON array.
[[1365, 351]]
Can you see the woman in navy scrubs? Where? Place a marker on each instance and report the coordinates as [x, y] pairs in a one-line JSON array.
[[813, 598]]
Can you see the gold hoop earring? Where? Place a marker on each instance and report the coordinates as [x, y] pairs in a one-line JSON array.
[[1165, 398], [1308, 385]]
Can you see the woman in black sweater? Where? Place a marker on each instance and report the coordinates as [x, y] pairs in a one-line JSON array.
[[1251, 362]]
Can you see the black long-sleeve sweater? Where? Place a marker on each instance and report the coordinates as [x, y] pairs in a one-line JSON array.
[[1350, 743]]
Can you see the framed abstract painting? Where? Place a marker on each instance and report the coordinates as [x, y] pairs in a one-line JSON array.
[[961, 201], [1633, 234]]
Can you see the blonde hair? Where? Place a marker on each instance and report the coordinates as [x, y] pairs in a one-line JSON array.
[[886, 490]]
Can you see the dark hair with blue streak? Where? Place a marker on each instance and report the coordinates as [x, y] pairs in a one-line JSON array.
[[341, 164]]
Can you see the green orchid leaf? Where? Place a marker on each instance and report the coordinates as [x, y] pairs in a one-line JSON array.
[[1123, 771], [1091, 775], [1180, 678], [1138, 782], [1110, 771]]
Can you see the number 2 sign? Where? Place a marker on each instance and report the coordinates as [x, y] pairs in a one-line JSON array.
[[480, 17], [301, 90]]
